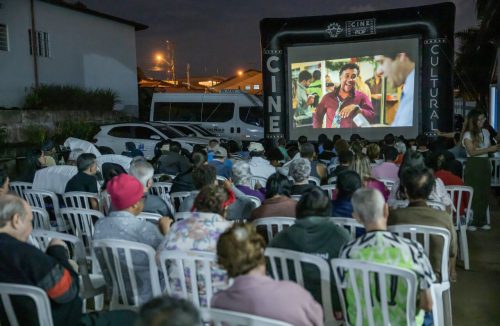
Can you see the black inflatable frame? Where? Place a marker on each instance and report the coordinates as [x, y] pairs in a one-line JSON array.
[[434, 24]]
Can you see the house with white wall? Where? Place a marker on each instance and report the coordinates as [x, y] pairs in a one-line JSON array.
[[73, 45]]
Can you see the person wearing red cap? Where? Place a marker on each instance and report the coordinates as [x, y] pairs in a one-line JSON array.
[[127, 200]]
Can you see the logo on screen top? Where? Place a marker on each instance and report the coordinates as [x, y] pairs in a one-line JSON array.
[[334, 30], [360, 27]]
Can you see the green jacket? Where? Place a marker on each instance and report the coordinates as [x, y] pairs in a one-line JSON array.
[[317, 236]]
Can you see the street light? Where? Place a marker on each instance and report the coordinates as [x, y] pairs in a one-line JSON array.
[[169, 63]]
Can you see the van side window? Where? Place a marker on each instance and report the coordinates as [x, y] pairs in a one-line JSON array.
[[185, 111], [253, 115], [161, 111], [218, 112]]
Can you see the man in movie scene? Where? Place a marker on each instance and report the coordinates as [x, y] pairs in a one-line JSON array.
[[345, 107], [304, 101]]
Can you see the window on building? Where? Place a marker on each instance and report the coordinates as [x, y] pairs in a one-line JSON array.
[[4, 38], [256, 87], [42, 41], [247, 87]]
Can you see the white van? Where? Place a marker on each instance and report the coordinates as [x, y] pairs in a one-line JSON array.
[[231, 115]]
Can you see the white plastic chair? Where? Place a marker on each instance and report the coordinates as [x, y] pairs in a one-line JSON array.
[[270, 223], [150, 217], [436, 205], [422, 234], [330, 189], [179, 216], [41, 219], [81, 223], [256, 201], [36, 294], [92, 285], [159, 188], [190, 268], [178, 197], [81, 199], [314, 180], [115, 259], [457, 192], [36, 198], [296, 197], [348, 223], [18, 187], [254, 179], [296, 258], [219, 317], [332, 180], [388, 183], [105, 202], [358, 276], [221, 179]]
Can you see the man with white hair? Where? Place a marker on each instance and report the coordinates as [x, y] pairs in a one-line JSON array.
[[300, 170], [259, 166], [378, 245], [144, 171]]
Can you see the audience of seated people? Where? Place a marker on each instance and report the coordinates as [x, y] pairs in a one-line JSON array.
[[347, 183], [242, 181], [240, 251], [278, 201], [387, 169], [318, 170], [259, 165], [344, 161], [299, 171], [184, 180], [327, 154], [221, 163], [373, 153], [172, 161], [361, 165]]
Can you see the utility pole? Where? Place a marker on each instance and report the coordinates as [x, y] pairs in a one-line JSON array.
[[188, 78]]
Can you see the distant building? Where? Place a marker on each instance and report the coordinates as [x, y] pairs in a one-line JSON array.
[[249, 81], [74, 46]]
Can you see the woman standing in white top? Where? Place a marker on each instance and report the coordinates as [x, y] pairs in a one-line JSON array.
[[476, 141]]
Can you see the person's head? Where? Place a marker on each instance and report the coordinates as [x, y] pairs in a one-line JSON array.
[[300, 170], [347, 183], [307, 151], [168, 311], [240, 249], [275, 156], [213, 199], [357, 147], [73, 156], [204, 175], [436, 160], [369, 208], [241, 173], [456, 138], [373, 151], [234, 146], [348, 74], [4, 181], [302, 140], [282, 142], [175, 147], [400, 147], [256, 149], [397, 67], [220, 153], [335, 138], [417, 182], [361, 164], [389, 139], [313, 203], [355, 137], [198, 158], [345, 157], [412, 159], [36, 159], [278, 185], [86, 163], [474, 123], [305, 78], [127, 194], [322, 138], [390, 154], [212, 144], [341, 145], [316, 75], [422, 141], [15, 217], [143, 171], [111, 170], [328, 145]]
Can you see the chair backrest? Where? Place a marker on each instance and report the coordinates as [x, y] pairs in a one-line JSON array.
[[115, 258], [159, 188], [18, 187], [256, 201], [281, 260], [459, 195], [80, 199], [254, 179], [191, 268], [332, 180], [36, 294], [296, 197], [436, 205], [360, 278], [106, 202], [150, 217], [219, 317], [81, 223], [330, 189], [179, 216], [221, 179], [41, 218], [273, 225], [178, 197], [422, 234], [388, 183], [314, 180], [348, 223], [495, 171], [37, 197]]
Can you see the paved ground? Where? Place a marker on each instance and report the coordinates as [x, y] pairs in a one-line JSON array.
[[476, 295]]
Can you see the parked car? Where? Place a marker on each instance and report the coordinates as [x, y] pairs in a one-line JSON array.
[[195, 130], [145, 136]]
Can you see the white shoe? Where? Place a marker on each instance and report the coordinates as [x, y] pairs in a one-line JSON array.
[[486, 227], [471, 228]]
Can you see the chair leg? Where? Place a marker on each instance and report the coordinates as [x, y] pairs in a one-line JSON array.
[[465, 247], [448, 321], [488, 218]]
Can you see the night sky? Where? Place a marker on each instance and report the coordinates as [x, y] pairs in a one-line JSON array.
[[218, 37]]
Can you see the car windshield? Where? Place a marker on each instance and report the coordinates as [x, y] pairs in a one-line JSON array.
[[169, 132]]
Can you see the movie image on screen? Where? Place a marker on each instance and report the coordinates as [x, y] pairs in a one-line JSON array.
[[362, 91]]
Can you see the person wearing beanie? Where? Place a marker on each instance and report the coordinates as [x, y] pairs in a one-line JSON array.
[[127, 200]]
